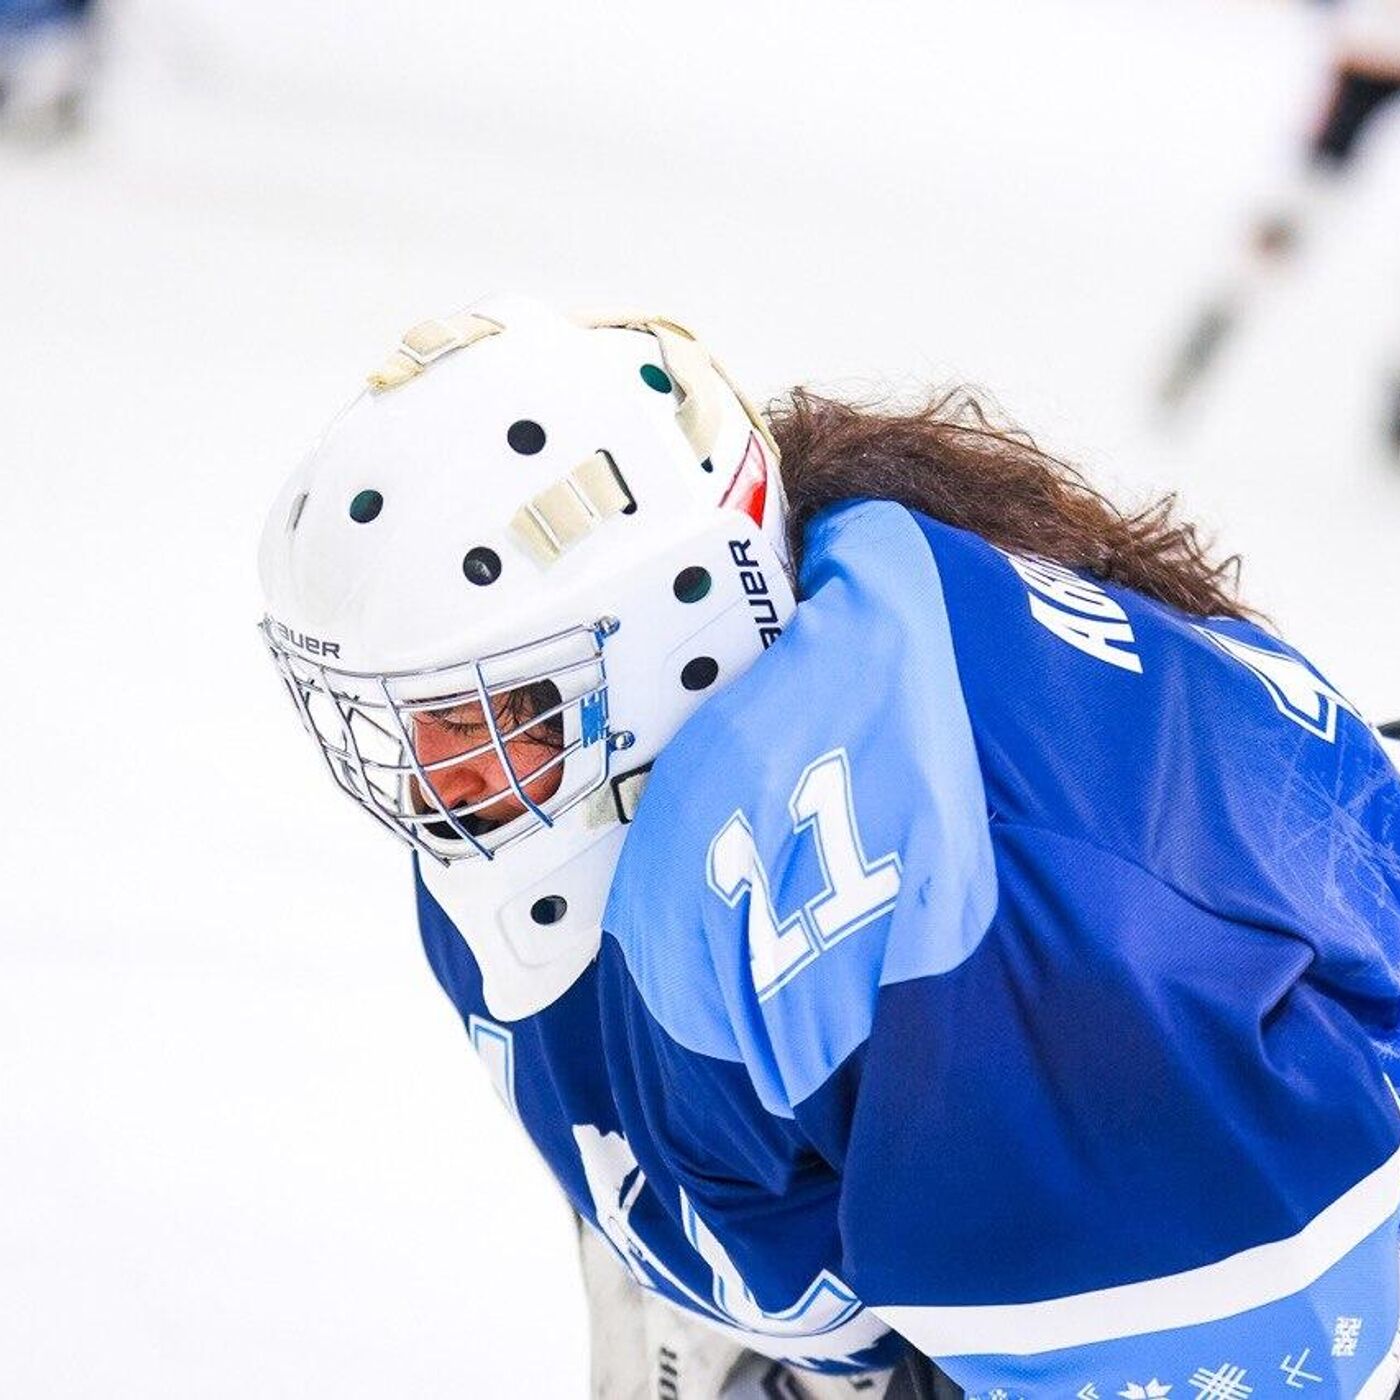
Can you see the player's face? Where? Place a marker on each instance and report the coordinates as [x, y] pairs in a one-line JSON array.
[[439, 735]]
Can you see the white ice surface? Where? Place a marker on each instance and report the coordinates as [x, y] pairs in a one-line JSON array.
[[244, 1148]]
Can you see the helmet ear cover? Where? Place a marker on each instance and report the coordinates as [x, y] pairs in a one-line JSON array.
[[521, 501]]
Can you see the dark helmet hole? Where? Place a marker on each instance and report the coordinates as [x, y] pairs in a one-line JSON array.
[[525, 436], [482, 565], [692, 584], [699, 672], [364, 508]]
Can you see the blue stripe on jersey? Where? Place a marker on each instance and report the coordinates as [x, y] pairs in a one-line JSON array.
[[868, 660]]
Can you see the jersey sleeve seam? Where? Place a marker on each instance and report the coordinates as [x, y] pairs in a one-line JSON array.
[[1156, 877]]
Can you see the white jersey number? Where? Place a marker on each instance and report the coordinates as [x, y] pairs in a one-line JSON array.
[[856, 889]]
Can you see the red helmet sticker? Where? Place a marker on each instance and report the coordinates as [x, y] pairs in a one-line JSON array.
[[748, 491]]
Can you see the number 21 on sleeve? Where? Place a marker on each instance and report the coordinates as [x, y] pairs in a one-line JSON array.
[[856, 889]]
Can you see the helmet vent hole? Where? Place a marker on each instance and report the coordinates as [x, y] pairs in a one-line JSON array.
[[364, 508], [525, 437], [699, 672], [654, 377], [692, 584], [482, 566], [707, 465], [294, 515], [550, 909]]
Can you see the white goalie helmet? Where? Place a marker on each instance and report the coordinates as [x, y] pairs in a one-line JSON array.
[[497, 586]]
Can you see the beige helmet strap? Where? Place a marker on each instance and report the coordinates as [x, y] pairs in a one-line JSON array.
[[429, 341], [701, 412], [687, 361], [694, 369], [552, 522]]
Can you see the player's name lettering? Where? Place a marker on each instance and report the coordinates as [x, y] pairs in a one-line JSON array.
[[314, 646], [755, 586], [1078, 612]]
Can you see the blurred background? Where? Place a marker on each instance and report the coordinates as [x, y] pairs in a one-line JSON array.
[[244, 1147]]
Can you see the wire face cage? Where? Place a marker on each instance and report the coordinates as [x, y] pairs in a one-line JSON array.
[[462, 761]]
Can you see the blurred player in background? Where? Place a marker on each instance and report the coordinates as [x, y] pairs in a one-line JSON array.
[[940, 942], [47, 56], [1365, 79]]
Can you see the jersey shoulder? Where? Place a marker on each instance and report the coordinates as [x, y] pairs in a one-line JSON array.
[[783, 857], [1206, 750]]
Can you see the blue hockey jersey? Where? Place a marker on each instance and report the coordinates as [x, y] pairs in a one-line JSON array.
[[1006, 962]]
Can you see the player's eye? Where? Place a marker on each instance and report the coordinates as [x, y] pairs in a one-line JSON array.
[[463, 726], [465, 720]]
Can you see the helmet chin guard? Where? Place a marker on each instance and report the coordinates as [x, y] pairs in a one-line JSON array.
[[498, 585]]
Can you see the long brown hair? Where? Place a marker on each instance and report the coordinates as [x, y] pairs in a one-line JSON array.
[[949, 460]]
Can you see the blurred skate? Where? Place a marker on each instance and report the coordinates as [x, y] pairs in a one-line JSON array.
[[1392, 435], [1197, 354], [1365, 78], [1273, 240]]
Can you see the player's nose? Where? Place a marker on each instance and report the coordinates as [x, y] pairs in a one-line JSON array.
[[466, 782], [456, 784]]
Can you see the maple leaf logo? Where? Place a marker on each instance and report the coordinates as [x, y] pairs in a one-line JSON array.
[[1153, 1390]]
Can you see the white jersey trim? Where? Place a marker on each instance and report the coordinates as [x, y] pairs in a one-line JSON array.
[[1250, 1279]]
